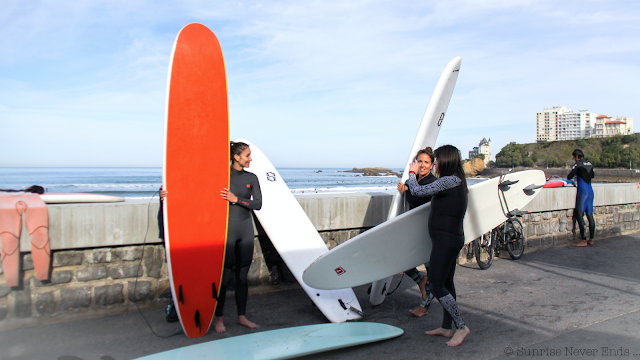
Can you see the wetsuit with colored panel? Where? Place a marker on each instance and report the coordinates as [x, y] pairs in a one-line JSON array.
[[583, 170], [448, 207], [239, 250], [414, 202]]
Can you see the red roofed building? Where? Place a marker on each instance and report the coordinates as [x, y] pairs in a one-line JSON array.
[[606, 126]]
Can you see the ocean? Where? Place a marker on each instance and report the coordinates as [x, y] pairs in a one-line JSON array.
[[144, 182]]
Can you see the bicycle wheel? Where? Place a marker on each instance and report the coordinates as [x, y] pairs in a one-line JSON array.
[[515, 239], [483, 249]]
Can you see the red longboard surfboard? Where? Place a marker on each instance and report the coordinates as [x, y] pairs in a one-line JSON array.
[[196, 168]]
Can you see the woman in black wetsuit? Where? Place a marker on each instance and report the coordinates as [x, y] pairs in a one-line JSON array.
[[448, 207], [244, 196], [424, 158]]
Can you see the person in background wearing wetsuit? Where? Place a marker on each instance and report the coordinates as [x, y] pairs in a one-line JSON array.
[[448, 207], [244, 196], [583, 170], [424, 158]]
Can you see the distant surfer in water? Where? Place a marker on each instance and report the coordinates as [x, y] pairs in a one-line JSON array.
[[244, 195], [424, 158], [448, 207], [583, 170]]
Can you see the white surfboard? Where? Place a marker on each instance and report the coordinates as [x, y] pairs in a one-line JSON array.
[[404, 241], [295, 238], [74, 198], [426, 136], [284, 343]]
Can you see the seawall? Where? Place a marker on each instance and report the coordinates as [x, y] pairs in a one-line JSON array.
[[98, 254]]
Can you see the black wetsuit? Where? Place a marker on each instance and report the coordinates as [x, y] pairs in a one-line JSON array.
[[239, 251], [414, 202], [448, 206], [583, 170]]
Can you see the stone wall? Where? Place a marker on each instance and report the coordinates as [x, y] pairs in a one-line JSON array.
[[94, 271]]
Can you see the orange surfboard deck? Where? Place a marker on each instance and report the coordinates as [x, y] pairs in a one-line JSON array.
[[196, 168]]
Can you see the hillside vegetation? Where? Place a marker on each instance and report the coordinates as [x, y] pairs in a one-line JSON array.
[[611, 152]]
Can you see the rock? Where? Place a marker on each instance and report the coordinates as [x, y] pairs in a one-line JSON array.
[[98, 256], [125, 271], [128, 253], [109, 295], [45, 304], [4, 290], [27, 262], [22, 303], [92, 273], [67, 258], [61, 277], [319, 171], [142, 290], [153, 261], [75, 298], [375, 171]]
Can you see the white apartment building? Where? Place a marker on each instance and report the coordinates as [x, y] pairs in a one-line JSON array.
[[483, 148], [606, 126], [560, 123]]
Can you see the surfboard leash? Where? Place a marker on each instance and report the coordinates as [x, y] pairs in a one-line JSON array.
[[135, 284]]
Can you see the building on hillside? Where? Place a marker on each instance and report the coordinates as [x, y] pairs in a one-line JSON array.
[[483, 148], [606, 126], [560, 123]]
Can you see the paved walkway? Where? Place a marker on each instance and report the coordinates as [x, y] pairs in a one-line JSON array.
[[553, 303]]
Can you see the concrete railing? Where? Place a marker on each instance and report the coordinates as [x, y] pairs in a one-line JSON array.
[[98, 259]]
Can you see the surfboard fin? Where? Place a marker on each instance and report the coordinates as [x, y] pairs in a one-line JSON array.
[[214, 291], [384, 289], [342, 304], [505, 184], [197, 319], [180, 297]]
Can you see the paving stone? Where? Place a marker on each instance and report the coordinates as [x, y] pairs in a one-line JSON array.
[[98, 256], [67, 258], [27, 262], [91, 273], [125, 271], [536, 217], [4, 290], [628, 217], [45, 304], [142, 290], [22, 303], [554, 227], [546, 215], [75, 298], [109, 295], [547, 240]]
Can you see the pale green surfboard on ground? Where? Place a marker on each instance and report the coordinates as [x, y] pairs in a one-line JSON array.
[[284, 343]]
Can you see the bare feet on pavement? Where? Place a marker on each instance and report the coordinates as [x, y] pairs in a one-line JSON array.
[[441, 332], [459, 336], [218, 325], [242, 320], [419, 312]]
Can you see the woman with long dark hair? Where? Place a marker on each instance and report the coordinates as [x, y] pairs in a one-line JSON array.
[[448, 207]]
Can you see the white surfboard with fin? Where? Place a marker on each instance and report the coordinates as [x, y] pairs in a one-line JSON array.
[[371, 255], [427, 135], [295, 238]]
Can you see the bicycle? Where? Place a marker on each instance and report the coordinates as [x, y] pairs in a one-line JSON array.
[[509, 235]]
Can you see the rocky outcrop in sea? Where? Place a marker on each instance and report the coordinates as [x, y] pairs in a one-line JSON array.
[[374, 171]]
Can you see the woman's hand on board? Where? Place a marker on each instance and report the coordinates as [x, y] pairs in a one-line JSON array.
[[401, 187], [228, 195]]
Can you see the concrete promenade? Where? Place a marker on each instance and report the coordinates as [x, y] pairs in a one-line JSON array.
[[559, 302]]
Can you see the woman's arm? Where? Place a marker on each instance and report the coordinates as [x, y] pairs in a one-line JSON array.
[[444, 183]]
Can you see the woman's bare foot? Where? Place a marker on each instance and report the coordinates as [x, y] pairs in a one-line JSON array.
[[423, 287], [459, 336], [441, 332], [419, 312], [242, 320], [218, 325]]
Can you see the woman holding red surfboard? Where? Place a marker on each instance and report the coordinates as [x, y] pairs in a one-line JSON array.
[[244, 195]]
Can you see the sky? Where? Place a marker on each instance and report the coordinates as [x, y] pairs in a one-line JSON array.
[[313, 83]]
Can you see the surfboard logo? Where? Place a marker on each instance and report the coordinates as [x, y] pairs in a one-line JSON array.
[[340, 270], [441, 118], [271, 176]]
